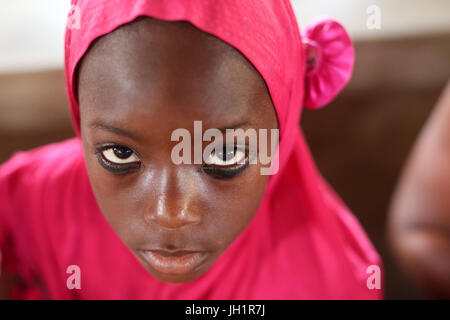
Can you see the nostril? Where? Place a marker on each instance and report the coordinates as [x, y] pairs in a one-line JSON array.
[[189, 217], [172, 221]]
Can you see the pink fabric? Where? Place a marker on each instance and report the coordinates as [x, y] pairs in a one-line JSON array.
[[334, 65], [303, 242]]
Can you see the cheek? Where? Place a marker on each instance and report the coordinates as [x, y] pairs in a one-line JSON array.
[[235, 204], [113, 197]]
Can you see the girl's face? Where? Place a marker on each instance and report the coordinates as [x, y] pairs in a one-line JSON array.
[[136, 86]]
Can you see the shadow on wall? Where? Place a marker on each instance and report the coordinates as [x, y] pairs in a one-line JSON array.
[[360, 141]]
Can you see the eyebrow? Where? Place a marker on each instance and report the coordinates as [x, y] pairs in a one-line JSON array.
[[234, 126], [97, 124]]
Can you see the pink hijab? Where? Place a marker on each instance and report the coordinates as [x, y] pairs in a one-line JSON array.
[[303, 242]]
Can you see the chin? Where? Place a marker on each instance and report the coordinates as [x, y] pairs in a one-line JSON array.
[[177, 278]]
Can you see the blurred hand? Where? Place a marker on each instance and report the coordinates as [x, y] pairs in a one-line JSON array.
[[419, 221]]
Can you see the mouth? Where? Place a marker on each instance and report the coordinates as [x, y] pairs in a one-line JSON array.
[[173, 262]]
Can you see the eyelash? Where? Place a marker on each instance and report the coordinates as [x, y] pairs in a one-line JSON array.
[[217, 172], [223, 174], [113, 167], [227, 172]]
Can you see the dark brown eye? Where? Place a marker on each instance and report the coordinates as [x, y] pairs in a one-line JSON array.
[[122, 152], [226, 156], [226, 162], [120, 155]]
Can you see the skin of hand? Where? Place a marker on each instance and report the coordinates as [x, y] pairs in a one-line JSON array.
[[137, 85], [419, 220]]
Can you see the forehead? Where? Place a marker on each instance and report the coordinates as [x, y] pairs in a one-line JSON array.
[[159, 68]]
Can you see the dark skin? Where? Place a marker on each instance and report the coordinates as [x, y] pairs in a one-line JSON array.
[[419, 225], [145, 80]]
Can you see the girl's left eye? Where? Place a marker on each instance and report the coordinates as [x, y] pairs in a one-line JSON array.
[[226, 162], [226, 156]]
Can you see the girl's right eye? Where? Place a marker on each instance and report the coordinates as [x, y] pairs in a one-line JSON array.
[[118, 159], [120, 155]]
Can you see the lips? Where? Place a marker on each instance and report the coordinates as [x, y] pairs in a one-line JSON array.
[[173, 262]]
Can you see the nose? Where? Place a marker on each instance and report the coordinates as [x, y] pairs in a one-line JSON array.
[[174, 205]]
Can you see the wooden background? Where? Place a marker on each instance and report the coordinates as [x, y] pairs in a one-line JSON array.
[[360, 141]]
